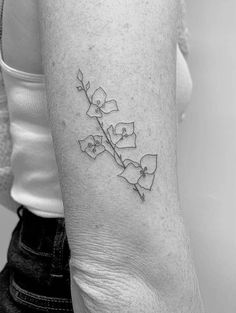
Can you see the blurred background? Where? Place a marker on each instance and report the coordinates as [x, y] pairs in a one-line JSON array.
[[207, 154], [207, 151]]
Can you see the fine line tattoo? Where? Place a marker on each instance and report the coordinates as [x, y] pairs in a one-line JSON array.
[[140, 175]]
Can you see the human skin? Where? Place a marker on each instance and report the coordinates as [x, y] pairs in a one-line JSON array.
[[126, 255]]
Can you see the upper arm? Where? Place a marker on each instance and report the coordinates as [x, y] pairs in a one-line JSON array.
[[127, 50]]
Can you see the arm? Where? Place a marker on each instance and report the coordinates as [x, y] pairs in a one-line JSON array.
[[127, 255]]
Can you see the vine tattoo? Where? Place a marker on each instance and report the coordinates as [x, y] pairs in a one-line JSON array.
[[140, 175]]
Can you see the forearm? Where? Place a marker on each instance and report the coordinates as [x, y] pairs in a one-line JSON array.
[[127, 251]]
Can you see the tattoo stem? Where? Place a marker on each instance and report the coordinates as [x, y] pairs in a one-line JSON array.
[[111, 145], [119, 157]]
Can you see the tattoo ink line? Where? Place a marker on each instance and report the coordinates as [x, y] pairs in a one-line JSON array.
[[142, 196], [122, 136]]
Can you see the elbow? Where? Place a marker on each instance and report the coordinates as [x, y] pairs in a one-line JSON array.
[[104, 290]]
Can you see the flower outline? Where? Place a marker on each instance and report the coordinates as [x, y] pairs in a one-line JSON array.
[[142, 173], [123, 135], [92, 145], [99, 104]]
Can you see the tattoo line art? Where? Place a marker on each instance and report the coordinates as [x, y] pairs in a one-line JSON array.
[[140, 175]]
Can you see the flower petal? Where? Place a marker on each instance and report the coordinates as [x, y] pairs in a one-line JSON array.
[[127, 142], [150, 162], [146, 181], [93, 152], [97, 139], [99, 97], [126, 162], [94, 111], [114, 137], [109, 106], [85, 142], [131, 173], [128, 127]]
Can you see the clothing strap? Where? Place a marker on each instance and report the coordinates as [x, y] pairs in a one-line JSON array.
[[1, 24], [1, 19]]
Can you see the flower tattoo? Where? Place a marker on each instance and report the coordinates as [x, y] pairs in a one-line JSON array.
[[99, 105], [92, 145], [123, 136], [140, 175]]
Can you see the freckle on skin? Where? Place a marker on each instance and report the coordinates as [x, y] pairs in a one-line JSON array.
[[63, 122], [127, 25]]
